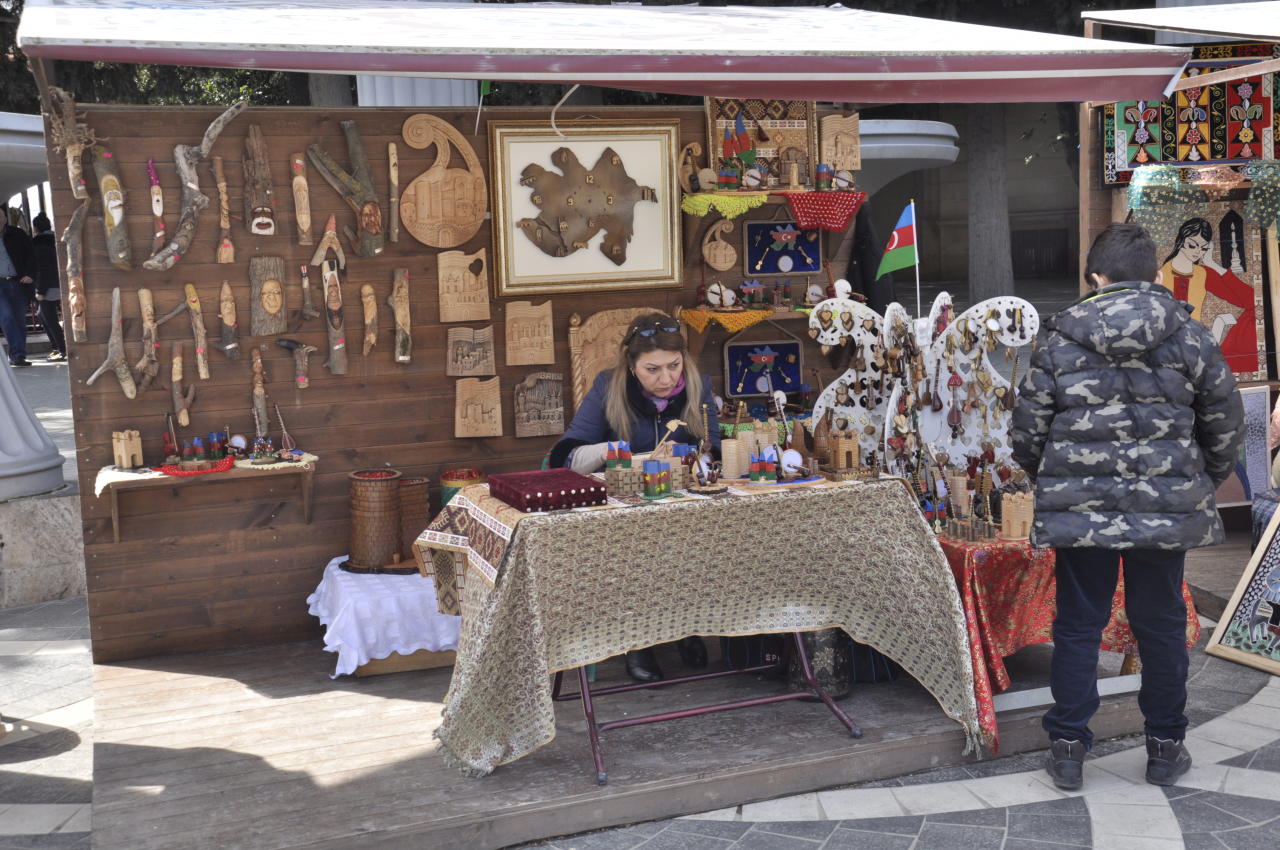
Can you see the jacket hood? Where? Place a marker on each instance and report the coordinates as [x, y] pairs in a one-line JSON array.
[[1122, 318]]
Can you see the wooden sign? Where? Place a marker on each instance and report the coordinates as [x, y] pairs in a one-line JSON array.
[[399, 301], [442, 207], [477, 408], [469, 351], [530, 336], [464, 286], [114, 229], [841, 148], [301, 198], [267, 300], [539, 405]]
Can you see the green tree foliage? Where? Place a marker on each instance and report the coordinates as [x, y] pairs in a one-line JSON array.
[[17, 87]]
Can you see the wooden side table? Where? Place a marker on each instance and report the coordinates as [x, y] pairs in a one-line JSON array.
[[304, 471]]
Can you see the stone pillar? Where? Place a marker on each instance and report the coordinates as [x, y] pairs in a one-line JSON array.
[[29, 461]]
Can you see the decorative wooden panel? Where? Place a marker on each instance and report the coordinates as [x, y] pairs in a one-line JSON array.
[[530, 333]]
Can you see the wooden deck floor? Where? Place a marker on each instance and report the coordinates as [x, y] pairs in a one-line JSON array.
[[260, 749]]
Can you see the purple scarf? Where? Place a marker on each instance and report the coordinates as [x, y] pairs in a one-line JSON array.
[[661, 403]]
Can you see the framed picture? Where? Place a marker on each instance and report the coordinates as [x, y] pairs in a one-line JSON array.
[[772, 248], [759, 367], [595, 209], [1252, 471], [780, 131], [1249, 630]]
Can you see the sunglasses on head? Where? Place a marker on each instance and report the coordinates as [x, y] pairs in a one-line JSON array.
[[670, 326]]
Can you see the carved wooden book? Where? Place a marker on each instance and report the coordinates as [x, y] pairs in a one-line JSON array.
[[464, 286], [477, 410], [539, 405], [469, 352], [268, 309], [530, 337]]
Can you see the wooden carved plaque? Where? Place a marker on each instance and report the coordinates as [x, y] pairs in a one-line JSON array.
[[716, 252], [477, 408], [530, 335], [840, 145], [267, 302], [464, 286], [469, 352], [442, 207], [539, 404]]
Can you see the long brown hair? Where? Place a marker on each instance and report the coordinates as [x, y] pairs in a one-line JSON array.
[[650, 332]]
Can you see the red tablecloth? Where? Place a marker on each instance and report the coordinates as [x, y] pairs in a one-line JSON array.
[[1008, 592]]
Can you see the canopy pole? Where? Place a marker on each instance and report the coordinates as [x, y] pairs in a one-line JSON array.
[[571, 90]]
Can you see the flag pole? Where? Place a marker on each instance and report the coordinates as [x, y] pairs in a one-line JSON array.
[[915, 225]]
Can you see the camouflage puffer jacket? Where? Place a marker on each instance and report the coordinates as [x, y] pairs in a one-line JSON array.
[[1127, 420]]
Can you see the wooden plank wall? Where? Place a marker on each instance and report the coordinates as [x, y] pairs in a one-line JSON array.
[[231, 564]]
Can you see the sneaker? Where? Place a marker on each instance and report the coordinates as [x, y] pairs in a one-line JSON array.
[[56, 355], [1166, 760], [1066, 763]]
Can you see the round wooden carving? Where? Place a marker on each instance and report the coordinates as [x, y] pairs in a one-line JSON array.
[[442, 207], [717, 253]]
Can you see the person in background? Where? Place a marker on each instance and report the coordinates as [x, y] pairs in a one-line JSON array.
[[1127, 421], [16, 269], [48, 289], [654, 382]]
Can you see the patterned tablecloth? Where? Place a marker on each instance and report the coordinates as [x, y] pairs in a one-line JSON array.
[[1009, 592], [560, 591]]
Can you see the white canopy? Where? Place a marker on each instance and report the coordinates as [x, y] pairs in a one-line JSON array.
[[1242, 21], [809, 53]]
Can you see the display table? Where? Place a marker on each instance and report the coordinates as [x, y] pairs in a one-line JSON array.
[[545, 593], [1009, 591], [369, 616]]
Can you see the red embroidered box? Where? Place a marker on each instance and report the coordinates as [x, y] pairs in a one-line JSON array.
[[547, 490]]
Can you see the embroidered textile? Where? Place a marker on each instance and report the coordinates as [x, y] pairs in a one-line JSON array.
[[828, 210], [729, 206], [566, 595], [733, 322]]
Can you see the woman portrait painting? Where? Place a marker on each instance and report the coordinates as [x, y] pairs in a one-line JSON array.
[[1220, 300]]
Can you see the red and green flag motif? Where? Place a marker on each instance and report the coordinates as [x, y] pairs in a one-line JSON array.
[[900, 253]]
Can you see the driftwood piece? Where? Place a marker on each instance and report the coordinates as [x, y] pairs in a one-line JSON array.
[[370, 305], [333, 320], [115, 352], [148, 366], [442, 207], [839, 144], [197, 331], [259, 201], [539, 405], [74, 246], [187, 157], [309, 310], [399, 302], [70, 137], [355, 188], [301, 198], [114, 228], [261, 424], [226, 248], [329, 242], [181, 400], [393, 175], [469, 352], [463, 289], [477, 408], [301, 360], [157, 208], [229, 343], [269, 314], [530, 335]]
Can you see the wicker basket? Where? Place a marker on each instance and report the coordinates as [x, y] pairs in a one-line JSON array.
[[375, 516], [453, 480], [415, 514]]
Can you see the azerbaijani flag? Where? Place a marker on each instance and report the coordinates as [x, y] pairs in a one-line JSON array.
[[900, 253]]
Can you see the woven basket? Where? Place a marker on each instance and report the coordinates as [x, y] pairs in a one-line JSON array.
[[453, 480], [415, 514], [375, 516]]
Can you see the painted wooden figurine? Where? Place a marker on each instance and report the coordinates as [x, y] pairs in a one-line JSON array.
[[334, 322]]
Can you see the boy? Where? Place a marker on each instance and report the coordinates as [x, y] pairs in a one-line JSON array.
[[1127, 420]]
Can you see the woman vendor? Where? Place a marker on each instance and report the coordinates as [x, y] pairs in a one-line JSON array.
[[654, 382]]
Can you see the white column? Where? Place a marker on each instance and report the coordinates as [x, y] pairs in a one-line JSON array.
[[29, 461]]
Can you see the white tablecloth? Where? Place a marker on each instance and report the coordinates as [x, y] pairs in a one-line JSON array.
[[370, 616]]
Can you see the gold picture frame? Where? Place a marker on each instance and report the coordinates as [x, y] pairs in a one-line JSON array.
[[547, 234], [791, 125]]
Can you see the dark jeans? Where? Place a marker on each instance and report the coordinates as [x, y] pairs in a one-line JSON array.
[[49, 321], [13, 318], [1158, 616]]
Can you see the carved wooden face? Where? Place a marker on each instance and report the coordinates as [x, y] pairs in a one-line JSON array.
[[271, 296], [371, 218], [113, 200], [227, 308], [263, 222], [333, 295]]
